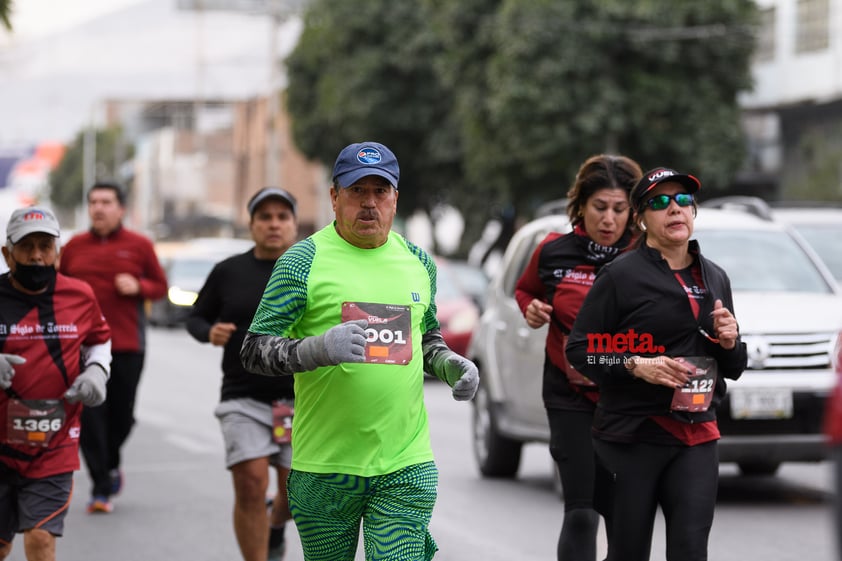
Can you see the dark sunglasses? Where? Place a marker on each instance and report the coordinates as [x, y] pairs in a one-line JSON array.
[[663, 201]]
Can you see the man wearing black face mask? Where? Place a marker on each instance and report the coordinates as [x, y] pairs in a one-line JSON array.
[[55, 357]]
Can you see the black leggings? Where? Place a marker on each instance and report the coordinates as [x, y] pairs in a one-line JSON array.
[[638, 478], [106, 427], [571, 446]]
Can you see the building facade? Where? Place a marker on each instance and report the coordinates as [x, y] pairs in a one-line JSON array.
[[793, 116]]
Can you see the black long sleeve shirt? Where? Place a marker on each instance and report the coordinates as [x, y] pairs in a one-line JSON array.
[[639, 292], [232, 293]]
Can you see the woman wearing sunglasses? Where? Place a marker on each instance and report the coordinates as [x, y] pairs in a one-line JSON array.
[[657, 334], [551, 289]]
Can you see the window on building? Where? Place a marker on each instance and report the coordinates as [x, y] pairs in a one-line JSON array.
[[765, 48], [812, 28]]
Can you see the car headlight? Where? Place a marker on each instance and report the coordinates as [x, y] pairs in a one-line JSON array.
[[179, 297]]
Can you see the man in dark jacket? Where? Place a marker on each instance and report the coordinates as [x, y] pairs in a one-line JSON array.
[[254, 436]]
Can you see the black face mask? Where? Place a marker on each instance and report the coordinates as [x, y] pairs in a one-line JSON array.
[[34, 277]]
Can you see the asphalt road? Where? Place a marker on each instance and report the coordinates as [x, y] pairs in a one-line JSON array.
[[177, 498]]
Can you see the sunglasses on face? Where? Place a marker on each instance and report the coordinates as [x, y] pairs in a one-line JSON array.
[[663, 201]]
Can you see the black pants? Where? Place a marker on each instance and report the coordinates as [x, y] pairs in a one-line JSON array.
[[639, 477], [836, 456], [571, 446], [106, 427]]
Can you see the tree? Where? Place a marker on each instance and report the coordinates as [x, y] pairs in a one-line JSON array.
[[493, 103], [654, 79], [465, 33], [6, 9], [363, 71], [67, 180]]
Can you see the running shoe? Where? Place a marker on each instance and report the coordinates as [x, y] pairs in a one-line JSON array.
[[100, 504], [277, 553], [116, 477], [277, 544]]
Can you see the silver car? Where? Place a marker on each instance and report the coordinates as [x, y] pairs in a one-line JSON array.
[[789, 308]]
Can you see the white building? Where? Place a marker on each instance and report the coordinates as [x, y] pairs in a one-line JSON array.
[[793, 116]]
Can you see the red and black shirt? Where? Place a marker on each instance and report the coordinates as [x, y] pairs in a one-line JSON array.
[[561, 272], [49, 330]]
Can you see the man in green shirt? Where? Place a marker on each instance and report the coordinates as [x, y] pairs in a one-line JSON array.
[[350, 312]]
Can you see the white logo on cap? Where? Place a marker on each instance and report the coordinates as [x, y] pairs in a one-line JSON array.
[[661, 174], [368, 156]]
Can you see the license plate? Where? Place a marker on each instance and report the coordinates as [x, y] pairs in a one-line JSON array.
[[772, 403]]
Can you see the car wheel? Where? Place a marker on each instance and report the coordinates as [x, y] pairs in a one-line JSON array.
[[496, 455], [759, 467]]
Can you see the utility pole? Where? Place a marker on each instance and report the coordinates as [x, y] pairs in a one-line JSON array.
[[278, 11], [273, 103], [88, 167]]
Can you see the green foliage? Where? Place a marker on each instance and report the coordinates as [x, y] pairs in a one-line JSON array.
[[362, 71], [493, 103], [6, 9], [816, 170], [655, 80], [67, 180]]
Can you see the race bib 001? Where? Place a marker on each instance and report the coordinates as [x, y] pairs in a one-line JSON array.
[[389, 332]]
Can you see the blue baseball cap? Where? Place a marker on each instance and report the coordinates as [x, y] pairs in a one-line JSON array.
[[356, 161]]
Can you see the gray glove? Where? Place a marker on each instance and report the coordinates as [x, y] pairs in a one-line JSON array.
[[88, 387], [451, 368], [7, 370], [342, 343], [462, 375]]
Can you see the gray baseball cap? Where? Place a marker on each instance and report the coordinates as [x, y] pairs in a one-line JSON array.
[[28, 220], [271, 193]]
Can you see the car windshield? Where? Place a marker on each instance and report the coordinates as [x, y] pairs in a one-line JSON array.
[[761, 260], [824, 238], [189, 270], [446, 286]]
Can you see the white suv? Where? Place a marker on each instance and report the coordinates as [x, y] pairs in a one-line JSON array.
[[819, 225], [789, 308]]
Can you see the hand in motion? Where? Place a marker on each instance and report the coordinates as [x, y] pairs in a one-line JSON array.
[[341, 343], [220, 333], [462, 375], [724, 326], [126, 284], [88, 387], [7, 370], [661, 370], [537, 313]]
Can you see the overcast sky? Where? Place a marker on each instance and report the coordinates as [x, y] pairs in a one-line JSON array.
[[33, 18], [65, 57]]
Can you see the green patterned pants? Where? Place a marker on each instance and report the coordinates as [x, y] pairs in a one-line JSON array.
[[394, 509]]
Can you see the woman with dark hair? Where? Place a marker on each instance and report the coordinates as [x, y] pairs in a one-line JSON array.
[[551, 290], [657, 334]]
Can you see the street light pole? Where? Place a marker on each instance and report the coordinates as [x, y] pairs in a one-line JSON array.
[[273, 103]]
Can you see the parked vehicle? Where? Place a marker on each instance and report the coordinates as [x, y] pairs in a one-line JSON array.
[[187, 266], [821, 226], [470, 279], [789, 308], [819, 223], [456, 301]]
